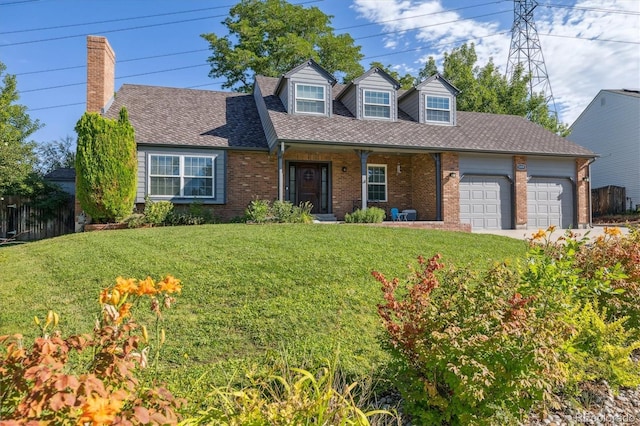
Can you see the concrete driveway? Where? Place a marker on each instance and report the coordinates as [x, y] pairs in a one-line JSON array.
[[522, 234]]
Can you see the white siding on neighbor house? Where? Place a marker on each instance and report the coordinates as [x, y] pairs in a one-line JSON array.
[[219, 168], [610, 126], [410, 104]]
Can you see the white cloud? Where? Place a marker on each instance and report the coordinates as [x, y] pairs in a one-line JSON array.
[[577, 68]]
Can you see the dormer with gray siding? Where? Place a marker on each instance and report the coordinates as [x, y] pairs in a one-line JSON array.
[[432, 102], [372, 96], [306, 89]]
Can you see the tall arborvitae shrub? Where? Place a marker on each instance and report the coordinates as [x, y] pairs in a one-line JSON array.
[[106, 166]]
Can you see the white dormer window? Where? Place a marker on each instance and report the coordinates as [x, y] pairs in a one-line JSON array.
[[377, 104], [438, 109], [310, 99]]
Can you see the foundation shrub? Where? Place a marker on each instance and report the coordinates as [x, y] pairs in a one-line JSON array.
[[262, 211], [370, 215], [156, 212]]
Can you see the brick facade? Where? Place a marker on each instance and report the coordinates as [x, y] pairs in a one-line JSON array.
[[583, 192], [520, 191], [101, 67], [450, 188]]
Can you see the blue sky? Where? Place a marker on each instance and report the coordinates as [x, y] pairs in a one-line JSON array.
[[588, 45]]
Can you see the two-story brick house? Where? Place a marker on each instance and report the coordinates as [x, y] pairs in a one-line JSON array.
[[304, 137]]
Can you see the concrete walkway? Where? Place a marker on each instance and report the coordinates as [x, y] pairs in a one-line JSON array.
[[522, 234]]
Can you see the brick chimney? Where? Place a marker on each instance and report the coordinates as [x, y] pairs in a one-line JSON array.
[[101, 69]]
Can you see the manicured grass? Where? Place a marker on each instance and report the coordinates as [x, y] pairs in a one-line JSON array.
[[305, 290]]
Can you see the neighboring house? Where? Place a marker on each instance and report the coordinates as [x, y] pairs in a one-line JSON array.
[[64, 177], [610, 126], [303, 137]]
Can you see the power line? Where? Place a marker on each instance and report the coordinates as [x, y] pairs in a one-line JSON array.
[[594, 9], [112, 31], [120, 61], [111, 20], [18, 2], [591, 39], [117, 78]]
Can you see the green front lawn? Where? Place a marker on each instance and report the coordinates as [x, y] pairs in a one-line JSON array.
[[302, 290]]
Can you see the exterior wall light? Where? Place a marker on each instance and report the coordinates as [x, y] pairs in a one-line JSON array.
[[453, 174], [585, 179], [344, 169]]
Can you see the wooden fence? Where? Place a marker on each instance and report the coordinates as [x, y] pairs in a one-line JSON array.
[[609, 200], [20, 220]]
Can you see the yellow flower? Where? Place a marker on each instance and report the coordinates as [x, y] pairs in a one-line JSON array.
[[105, 296], [126, 286], [613, 232], [551, 228], [146, 286], [538, 235], [169, 285], [99, 411], [125, 310]]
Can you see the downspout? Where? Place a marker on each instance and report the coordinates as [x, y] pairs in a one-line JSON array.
[[436, 157], [281, 172]]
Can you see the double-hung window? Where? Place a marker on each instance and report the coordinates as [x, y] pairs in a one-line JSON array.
[[310, 99], [438, 109], [181, 176], [377, 182], [377, 104]]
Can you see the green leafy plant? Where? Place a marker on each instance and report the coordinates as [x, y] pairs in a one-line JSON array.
[[156, 212], [468, 346], [370, 215], [295, 397], [258, 211], [601, 350], [43, 384], [106, 166], [262, 211]]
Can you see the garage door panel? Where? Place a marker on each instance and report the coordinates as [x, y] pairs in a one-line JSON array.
[[550, 202], [485, 202]]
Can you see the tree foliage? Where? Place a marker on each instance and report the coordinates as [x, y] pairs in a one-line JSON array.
[[17, 158], [106, 166], [485, 89], [271, 37], [56, 154]]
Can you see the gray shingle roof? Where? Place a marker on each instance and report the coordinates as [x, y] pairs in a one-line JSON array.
[[474, 131], [186, 117]]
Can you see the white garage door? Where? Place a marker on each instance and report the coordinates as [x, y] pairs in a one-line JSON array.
[[549, 202], [485, 202]]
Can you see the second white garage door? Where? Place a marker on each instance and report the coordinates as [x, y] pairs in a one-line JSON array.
[[485, 202], [549, 202]]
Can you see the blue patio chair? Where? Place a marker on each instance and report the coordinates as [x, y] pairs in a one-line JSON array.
[[394, 214]]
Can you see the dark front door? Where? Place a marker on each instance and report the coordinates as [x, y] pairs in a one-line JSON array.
[[308, 188]]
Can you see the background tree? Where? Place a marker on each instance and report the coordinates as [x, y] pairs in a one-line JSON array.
[[270, 37], [485, 89], [429, 69], [17, 158], [56, 154], [106, 166]]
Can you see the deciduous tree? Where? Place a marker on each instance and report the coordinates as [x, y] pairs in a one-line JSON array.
[[56, 154], [17, 158], [271, 37]]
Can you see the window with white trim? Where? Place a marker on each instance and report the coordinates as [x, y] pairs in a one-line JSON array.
[[377, 104], [310, 99], [438, 109], [377, 182], [181, 176]]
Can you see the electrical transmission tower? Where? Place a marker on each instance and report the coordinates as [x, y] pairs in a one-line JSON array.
[[526, 51]]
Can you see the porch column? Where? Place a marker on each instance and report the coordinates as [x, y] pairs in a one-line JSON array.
[[363, 174], [281, 150]]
